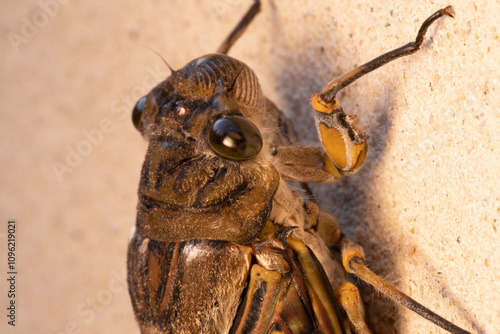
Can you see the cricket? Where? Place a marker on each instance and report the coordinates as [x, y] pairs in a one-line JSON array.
[[228, 236]]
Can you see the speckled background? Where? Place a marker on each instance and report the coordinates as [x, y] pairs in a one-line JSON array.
[[425, 206]]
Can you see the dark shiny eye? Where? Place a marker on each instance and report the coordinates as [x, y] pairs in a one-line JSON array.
[[235, 137], [137, 112]]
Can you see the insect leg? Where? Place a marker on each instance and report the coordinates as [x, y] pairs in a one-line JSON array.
[[328, 229], [328, 93], [353, 260], [324, 224], [345, 145], [304, 164], [348, 297], [319, 294], [240, 28]]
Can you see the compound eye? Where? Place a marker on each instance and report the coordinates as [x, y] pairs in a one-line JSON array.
[[137, 112], [235, 137]]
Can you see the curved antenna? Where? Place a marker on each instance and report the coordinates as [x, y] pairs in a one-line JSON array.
[[171, 70]]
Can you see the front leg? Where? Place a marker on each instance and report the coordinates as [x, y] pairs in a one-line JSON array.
[[343, 152], [305, 164], [344, 146]]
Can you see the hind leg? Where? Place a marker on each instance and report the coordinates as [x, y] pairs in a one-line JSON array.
[[354, 262]]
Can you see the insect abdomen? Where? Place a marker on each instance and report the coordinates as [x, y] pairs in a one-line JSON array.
[[186, 287]]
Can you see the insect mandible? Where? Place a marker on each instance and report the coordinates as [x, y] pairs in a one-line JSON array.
[[222, 243]]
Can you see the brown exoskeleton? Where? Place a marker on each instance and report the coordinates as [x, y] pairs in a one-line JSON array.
[[222, 243]]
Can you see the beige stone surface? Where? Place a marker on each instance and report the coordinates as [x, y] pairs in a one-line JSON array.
[[425, 207]]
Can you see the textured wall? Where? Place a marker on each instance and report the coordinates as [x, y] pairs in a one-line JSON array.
[[425, 206]]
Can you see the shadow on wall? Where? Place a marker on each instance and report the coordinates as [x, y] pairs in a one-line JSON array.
[[306, 68]]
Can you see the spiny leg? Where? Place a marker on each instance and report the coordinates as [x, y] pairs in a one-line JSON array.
[[354, 262], [344, 144], [240, 28]]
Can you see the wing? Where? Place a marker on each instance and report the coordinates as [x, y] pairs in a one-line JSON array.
[[186, 287]]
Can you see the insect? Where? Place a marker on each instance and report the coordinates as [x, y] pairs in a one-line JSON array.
[[222, 243]]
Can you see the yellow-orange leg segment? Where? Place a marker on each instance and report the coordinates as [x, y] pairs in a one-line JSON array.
[[353, 260], [347, 296], [344, 144]]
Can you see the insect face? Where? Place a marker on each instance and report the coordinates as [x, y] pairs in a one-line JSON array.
[[199, 104], [202, 160]]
